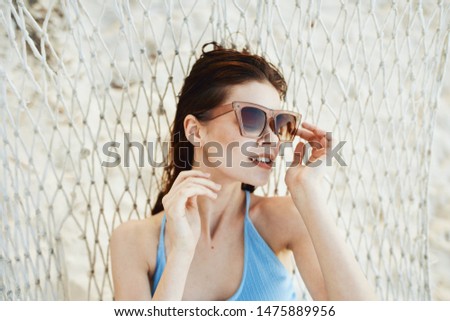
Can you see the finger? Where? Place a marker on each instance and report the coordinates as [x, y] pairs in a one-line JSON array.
[[324, 143], [318, 152], [179, 189], [309, 136], [299, 152], [192, 201], [316, 158], [188, 173], [306, 134], [202, 181], [176, 201], [313, 128], [192, 189]]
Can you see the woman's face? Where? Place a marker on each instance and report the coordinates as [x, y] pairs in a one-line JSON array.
[[225, 153]]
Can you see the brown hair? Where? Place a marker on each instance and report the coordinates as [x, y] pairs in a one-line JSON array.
[[207, 87]]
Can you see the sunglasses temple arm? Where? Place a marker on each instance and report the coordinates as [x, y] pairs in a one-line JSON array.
[[221, 114]]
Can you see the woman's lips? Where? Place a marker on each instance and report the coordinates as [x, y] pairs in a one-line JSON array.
[[262, 164]]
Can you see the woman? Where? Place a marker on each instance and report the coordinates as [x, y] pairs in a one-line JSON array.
[[210, 238]]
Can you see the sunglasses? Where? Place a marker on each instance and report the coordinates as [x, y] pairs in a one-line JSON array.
[[253, 120]]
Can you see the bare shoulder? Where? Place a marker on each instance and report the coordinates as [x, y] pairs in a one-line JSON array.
[[277, 220], [133, 247], [276, 210], [137, 240], [276, 205]]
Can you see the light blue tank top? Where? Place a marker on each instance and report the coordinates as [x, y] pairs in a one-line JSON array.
[[264, 277]]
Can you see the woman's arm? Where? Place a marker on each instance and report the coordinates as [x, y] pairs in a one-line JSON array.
[[128, 250], [173, 279], [342, 276], [128, 264], [130, 267], [129, 245]]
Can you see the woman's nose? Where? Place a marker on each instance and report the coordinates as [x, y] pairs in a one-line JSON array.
[[269, 137]]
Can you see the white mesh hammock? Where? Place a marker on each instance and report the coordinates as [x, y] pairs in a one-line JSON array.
[[75, 75]]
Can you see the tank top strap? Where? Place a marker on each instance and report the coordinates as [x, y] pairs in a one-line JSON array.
[[163, 224], [161, 251], [247, 202], [160, 257]]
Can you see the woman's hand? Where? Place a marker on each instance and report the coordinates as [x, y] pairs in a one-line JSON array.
[[180, 204], [343, 279], [319, 143]]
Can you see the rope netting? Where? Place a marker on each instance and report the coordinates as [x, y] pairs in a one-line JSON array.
[[76, 75]]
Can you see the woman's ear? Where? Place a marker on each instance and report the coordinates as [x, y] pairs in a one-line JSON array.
[[192, 129]]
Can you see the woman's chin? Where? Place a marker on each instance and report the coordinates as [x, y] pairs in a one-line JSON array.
[[256, 183]]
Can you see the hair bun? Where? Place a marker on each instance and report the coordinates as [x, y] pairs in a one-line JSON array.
[[216, 46]]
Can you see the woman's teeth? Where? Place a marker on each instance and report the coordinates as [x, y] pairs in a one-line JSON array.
[[261, 159]]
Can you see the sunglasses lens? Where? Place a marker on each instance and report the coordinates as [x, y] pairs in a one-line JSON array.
[[253, 120], [285, 126]]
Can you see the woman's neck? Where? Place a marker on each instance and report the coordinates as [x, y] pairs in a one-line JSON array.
[[221, 212]]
